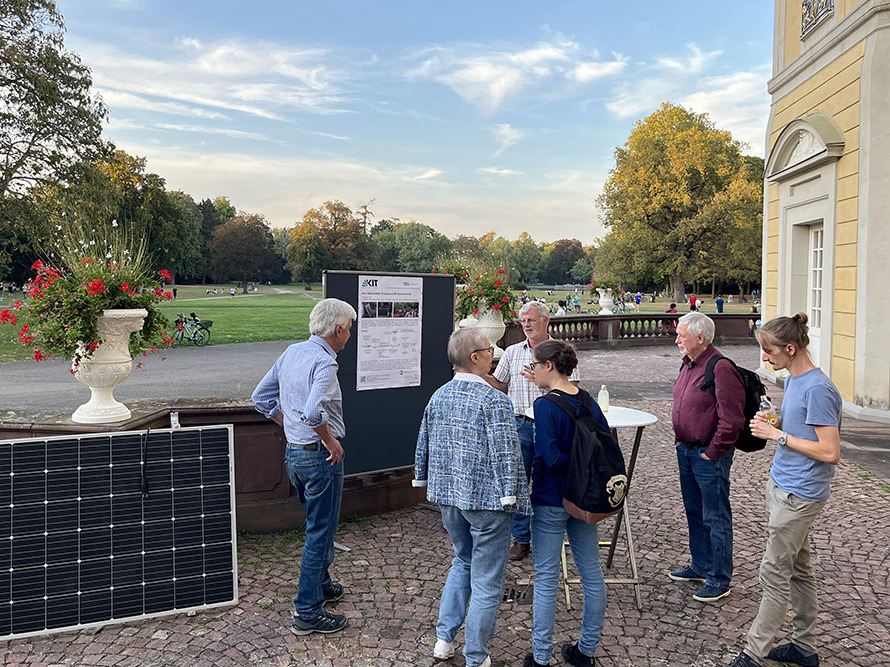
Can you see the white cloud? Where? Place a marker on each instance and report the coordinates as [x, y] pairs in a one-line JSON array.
[[489, 77], [429, 173], [498, 171], [507, 136], [695, 63], [636, 98], [203, 129], [591, 71], [116, 99]]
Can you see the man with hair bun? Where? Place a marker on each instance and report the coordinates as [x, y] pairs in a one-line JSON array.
[[706, 427], [514, 377], [808, 450], [301, 394]]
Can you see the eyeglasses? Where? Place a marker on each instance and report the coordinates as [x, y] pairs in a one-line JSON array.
[[532, 364], [489, 349]]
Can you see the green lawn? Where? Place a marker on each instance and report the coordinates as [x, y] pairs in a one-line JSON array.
[[268, 314], [281, 312]]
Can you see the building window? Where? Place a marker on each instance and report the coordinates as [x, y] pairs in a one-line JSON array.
[[817, 241], [812, 12]]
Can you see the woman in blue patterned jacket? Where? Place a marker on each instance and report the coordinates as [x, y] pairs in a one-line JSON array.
[[469, 459]]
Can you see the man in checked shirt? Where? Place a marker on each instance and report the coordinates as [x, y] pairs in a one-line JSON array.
[[514, 377], [301, 393]]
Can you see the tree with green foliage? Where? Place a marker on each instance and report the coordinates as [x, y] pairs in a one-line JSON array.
[[306, 254], [243, 249], [49, 120], [525, 256], [562, 256], [225, 210], [664, 197], [342, 235]]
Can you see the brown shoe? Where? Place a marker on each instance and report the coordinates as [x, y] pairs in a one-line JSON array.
[[518, 551]]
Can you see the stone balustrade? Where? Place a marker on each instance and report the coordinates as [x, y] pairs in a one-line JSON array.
[[598, 331]]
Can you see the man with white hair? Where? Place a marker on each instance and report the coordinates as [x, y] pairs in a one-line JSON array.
[[301, 394], [515, 377], [706, 426], [468, 458]]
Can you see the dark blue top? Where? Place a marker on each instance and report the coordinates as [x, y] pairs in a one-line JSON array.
[[554, 431]]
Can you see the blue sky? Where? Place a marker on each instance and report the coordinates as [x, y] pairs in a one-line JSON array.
[[466, 116]]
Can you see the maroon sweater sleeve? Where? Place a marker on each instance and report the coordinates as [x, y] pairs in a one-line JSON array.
[[730, 409]]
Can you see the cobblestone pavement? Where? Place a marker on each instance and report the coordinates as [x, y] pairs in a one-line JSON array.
[[398, 561]]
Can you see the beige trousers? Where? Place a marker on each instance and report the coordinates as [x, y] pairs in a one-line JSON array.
[[786, 573]]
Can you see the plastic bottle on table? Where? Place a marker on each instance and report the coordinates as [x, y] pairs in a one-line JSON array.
[[767, 407], [603, 399]]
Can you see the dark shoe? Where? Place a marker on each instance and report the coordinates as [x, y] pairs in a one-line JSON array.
[[744, 660], [530, 661], [572, 655], [518, 551], [332, 592], [686, 574], [709, 593], [325, 623], [793, 653]]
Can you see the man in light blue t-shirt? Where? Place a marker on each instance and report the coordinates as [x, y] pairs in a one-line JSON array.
[[808, 448]]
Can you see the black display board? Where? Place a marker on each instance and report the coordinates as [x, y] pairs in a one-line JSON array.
[[382, 424], [105, 528]]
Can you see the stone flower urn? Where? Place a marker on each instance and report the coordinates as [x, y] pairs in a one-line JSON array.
[[606, 302], [492, 324], [108, 366]]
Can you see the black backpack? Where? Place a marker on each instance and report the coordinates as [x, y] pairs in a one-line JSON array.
[[754, 390], [597, 479]]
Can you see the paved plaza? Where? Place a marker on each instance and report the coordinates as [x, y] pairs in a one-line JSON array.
[[398, 561]]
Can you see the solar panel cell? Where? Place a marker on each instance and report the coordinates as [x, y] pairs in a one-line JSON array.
[[82, 544]]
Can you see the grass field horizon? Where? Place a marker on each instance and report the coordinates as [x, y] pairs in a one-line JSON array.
[[281, 312]]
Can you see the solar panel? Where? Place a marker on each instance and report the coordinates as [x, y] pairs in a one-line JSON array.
[[104, 528]]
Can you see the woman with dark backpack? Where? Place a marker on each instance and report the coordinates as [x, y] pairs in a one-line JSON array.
[[554, 430]]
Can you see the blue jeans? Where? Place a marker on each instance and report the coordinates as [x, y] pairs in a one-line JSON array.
[[550, 525], [320, 487], [481, 541], [521, 531], [705, 488]]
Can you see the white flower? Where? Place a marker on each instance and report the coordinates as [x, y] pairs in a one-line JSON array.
[[58, 228], [114, 223], [92, 243], [108, 255], [126, 252]]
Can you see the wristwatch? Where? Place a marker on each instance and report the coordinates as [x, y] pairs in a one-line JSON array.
[[782, 440]]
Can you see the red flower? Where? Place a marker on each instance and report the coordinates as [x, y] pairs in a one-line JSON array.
[[470, 293], [73, 371], [36, 266], [513, 313], [92, 346], [35, 292], [505, 299], [481, 292], [497, 282], [497, 306], [125, 287], [168, 296], [465, 275], [478, 278], [501, 271], [95, 287], [6, 317], [16, 304], [39, 355], [159, 292], [165, 274], [139, 365], [432, 271], [475, 311]]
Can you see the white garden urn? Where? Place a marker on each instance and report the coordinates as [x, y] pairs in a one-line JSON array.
[[108, 366], [492, 324], [606, 302]]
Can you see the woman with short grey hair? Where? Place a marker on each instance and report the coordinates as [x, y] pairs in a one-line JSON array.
[[462, 344], [327, 314]]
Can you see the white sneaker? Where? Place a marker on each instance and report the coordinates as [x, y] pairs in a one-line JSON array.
[[444, 650], [486, 663]]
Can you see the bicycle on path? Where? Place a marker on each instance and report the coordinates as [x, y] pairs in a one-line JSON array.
[[195, 330]]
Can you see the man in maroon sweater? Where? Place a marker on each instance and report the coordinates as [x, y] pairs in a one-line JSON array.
[[706, 428]]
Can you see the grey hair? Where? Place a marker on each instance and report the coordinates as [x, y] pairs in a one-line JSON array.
[[543, 310], [463, 343], [327, 314], [699, 323]]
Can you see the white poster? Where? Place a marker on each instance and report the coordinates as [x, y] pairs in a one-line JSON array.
[[390, 319]]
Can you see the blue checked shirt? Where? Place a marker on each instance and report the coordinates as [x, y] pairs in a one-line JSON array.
[[468, 452], [303, 385]]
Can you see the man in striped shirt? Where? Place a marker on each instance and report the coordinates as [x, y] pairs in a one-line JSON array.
[[514, 377]]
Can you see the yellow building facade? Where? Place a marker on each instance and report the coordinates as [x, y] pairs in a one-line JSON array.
[[826, 235]]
